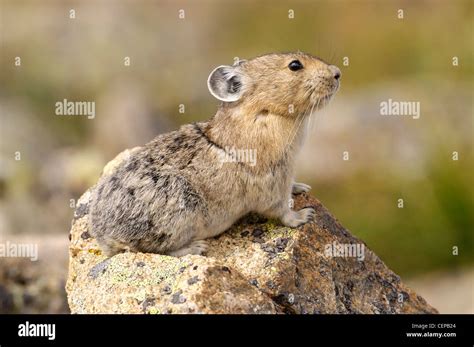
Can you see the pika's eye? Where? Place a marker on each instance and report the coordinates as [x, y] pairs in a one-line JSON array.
[[295, 65]]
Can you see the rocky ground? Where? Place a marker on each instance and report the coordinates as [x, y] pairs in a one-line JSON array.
[[38, 287], [257, 266]]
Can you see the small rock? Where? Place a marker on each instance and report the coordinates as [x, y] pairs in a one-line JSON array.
[[268, 248], [147, 303], [193, 280], [257, 232], [166, 290], [178, 298], [85, 235], [271, 284], [99, 269], [281, 244]]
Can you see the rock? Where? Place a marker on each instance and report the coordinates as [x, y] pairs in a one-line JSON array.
[[257, 266]]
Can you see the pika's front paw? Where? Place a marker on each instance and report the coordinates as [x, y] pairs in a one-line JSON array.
[[198, 247], [299, 188], [294, 219]]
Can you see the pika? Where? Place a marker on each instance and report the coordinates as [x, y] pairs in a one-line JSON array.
[[176, 191]]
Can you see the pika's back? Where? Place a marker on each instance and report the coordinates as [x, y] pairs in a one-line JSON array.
[[156, 182]]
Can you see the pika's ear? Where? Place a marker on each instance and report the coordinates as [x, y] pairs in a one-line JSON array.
[[225, 83]]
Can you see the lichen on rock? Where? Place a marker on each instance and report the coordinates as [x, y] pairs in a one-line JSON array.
[[257, 266]]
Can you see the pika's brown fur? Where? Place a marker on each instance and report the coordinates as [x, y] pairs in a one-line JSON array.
[[180, 189]]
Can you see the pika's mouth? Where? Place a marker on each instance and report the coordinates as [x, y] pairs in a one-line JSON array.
[[323, 100], [322, 94], [327, 98]]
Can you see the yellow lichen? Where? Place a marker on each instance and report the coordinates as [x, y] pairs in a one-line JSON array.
[[167, 269], [95, 251], [153, 310], [274, 231]]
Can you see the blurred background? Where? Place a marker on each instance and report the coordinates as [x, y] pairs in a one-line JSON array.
[[85, 59]]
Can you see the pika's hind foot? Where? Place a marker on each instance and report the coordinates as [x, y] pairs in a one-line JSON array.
[[299, 188], [196, 247], [294, 219]]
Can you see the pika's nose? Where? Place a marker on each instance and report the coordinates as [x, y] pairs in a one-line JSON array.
[[335, 71]]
